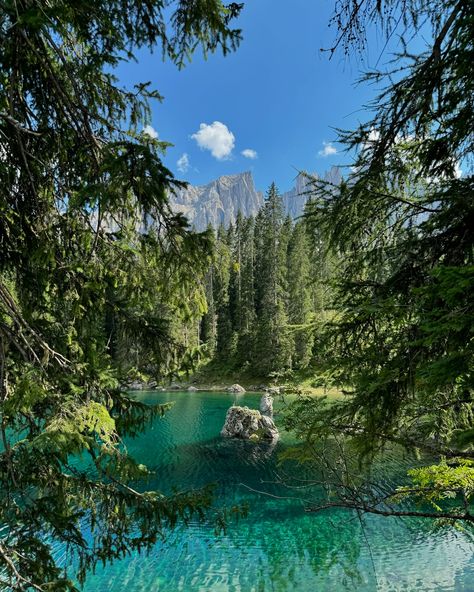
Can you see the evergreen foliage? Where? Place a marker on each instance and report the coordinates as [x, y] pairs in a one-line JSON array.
[[100, 281], [266, 297], [97, 277], [300, 306], [272, 339], [400, 341]]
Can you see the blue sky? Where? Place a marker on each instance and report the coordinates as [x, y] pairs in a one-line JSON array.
[[278, 97]]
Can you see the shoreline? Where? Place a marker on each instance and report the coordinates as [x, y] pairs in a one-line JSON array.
[[224, 387]]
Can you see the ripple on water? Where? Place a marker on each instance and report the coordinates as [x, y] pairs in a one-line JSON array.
[[278, 547]]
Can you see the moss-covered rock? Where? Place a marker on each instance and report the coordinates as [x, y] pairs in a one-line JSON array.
[[248, 424]]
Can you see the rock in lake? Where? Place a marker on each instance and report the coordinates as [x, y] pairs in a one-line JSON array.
[[236, 388], [266, 405], [248, 424], [192, 389]]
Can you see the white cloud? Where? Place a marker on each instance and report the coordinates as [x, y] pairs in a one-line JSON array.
[[217, 138], [150, 131], [183, 163], [249, 153], [327, 150], [371, 139], [374, 135]]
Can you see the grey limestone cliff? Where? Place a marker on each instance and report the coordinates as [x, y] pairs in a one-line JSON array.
[[220, 201], [295, 199]]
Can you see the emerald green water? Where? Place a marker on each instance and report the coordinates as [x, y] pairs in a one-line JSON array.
[[278, 547]]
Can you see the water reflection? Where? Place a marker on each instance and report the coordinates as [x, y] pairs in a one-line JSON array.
[[278, 547]]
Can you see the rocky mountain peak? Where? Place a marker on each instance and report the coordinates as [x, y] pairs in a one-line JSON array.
[[220, 201]]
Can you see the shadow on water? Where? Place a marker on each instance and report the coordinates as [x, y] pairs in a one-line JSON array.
[[278, 546]]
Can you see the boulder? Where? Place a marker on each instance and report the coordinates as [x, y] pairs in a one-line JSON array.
[[274, 390], [192, 389], [248, 424], [236, 388], [266, 404]]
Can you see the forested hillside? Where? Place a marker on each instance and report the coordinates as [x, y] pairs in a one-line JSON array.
[[258, 308], [268, 290]]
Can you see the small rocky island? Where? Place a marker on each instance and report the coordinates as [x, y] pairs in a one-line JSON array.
[[251, 424]]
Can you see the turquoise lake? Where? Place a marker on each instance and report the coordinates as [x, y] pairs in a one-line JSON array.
[[278, 547]]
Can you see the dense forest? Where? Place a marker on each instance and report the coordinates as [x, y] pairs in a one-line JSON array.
[[258, 308], [372, 290], [268, 292]]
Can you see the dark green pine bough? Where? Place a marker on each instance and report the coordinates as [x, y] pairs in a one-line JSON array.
[[96, 272], [401, 343], [94, 267]]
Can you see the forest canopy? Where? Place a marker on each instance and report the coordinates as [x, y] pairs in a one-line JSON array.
[[372, 291], [93, 263]]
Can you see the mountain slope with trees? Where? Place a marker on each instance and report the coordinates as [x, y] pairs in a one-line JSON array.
[[264, 292]]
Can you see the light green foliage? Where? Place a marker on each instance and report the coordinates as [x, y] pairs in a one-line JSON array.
[[444, 481], [78, 424], [99, 280]]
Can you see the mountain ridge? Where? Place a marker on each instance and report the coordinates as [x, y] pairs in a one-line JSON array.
[[219, 201]]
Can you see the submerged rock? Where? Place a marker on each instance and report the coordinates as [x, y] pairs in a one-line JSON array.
[[236, 388], [248, 424], [266, 405]]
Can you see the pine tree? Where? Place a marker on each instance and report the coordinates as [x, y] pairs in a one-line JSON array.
[[80, 285], [208, 329], [324, 261], [299, 295], [234, 240], [246, 337], [225, 334], [208, 325], [272, 342]]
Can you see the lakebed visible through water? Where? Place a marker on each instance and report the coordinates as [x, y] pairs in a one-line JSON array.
[[278, 546]]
